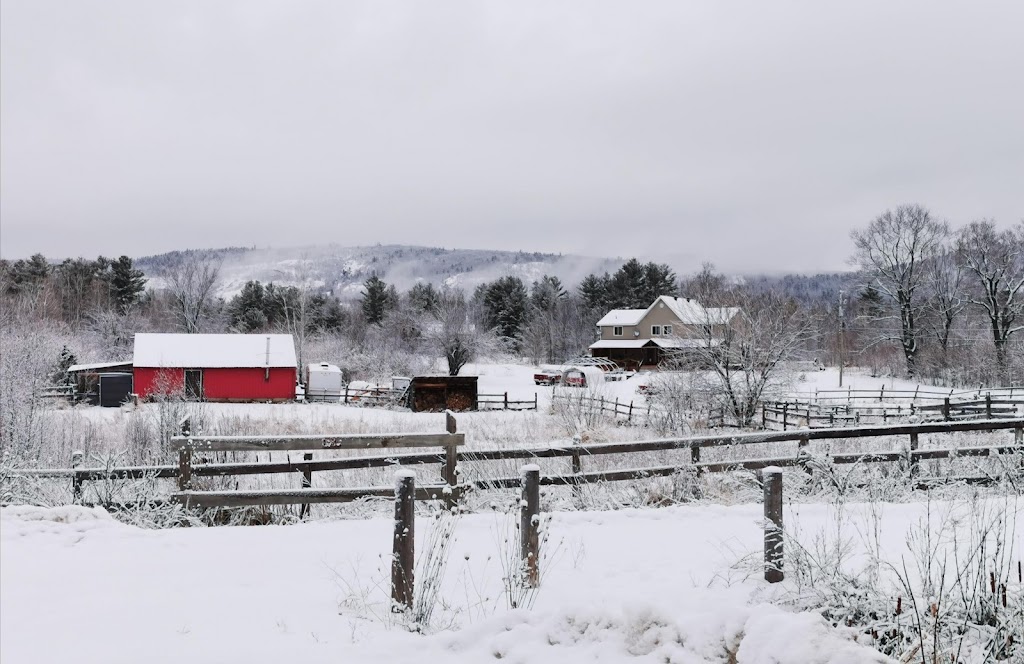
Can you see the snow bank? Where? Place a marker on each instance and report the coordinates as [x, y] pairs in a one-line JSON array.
[[722, 631], [631, 585], [24, 520]]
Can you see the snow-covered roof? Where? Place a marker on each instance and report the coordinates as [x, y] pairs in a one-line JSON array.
[[681, 343], [622, 317], [722, 315], [96, 366], [688, 311], [214, 350], [620, 343]]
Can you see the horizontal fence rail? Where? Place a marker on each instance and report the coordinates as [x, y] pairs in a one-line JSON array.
[[453, 456]]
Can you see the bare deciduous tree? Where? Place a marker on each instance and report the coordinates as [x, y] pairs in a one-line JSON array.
[[945, 301], [736, 357], [454, 335], [996, 261], [191, 284], [892, 252]]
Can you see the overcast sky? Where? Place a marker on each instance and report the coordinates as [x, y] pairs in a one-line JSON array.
[[751, 134]]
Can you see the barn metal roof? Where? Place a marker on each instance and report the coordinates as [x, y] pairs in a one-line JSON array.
[[214, 350]]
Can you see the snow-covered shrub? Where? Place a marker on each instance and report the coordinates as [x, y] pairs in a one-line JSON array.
[[954, 596]]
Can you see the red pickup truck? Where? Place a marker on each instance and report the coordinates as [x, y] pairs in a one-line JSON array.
[[547, 377]]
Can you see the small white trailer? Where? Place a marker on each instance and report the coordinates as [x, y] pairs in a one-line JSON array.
[[323, 382]]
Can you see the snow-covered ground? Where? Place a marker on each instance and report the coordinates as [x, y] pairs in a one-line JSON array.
[[660, 585]]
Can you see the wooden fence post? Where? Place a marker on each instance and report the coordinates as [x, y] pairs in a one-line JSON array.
[[307, 483], [506, 401], [616, 415], [804, 454], [185, 457], [694, 454], [772, 478], [785, 408], [988, 405], [535, 401], [451, 463], [529, 525], [577, 468], [404, 554], [945, 409], [912, 457], [764, 416], [629, 417], [76, 479]]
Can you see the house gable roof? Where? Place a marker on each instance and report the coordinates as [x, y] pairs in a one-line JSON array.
[[688, 311], [200, 351], [622, 317]]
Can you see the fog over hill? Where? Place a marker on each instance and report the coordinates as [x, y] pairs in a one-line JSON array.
[[342, 270]]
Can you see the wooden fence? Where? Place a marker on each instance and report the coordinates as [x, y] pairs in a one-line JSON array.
[[502, 402], [452, 482], [796, 413], [386, 396], [617, 409]]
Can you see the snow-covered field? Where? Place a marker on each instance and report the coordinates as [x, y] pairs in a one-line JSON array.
[[677, 584]]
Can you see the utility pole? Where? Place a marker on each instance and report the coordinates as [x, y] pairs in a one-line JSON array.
[[842, 337]]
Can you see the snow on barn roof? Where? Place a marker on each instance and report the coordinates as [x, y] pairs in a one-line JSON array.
[[214, 350], [95, 366], [622, 317]]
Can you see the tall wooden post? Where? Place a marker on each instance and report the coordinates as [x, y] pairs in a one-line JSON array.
[[529, 525], [772, 477], [404, 553], [451, 463], [76, 480], [307, 483]]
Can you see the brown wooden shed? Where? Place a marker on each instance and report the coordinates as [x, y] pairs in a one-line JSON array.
[[433, 394]]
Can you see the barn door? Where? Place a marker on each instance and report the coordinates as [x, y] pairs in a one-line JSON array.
[[194, 384]]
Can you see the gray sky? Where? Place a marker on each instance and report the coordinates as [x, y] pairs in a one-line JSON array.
[[752, 134]]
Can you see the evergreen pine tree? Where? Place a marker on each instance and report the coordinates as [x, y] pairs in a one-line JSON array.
[[127, 284], [377, 300]]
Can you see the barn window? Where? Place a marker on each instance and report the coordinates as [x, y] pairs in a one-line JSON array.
[[667, 330], [194, 384], [617, 331], [655, 330]]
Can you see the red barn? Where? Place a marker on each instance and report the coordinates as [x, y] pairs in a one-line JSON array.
[[216, 367]]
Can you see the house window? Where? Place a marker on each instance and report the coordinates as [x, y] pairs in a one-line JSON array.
[[617, 331], [667, 330], [655, 330]]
